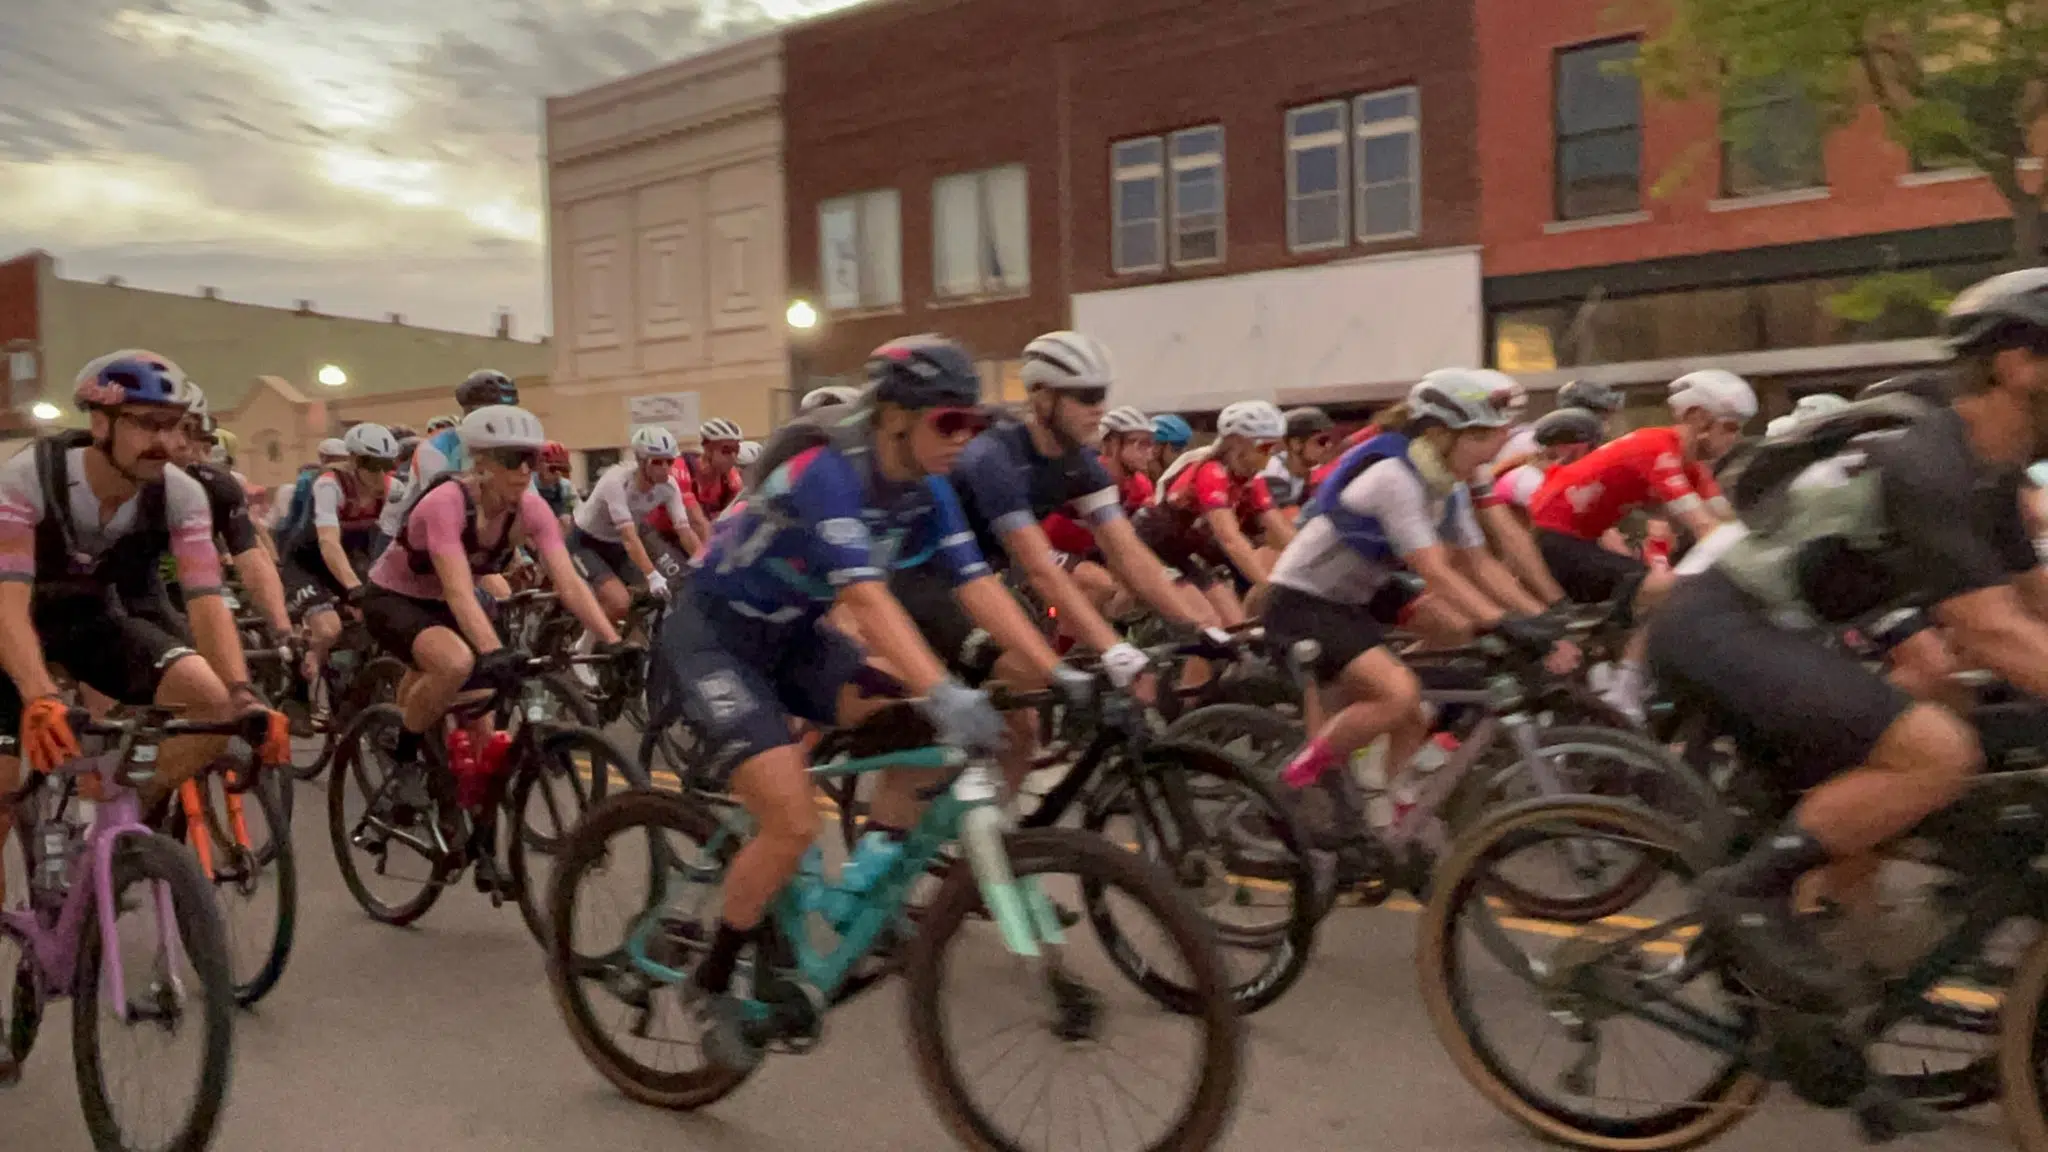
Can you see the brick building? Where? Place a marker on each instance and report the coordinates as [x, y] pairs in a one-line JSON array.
[[1759, 221], [1240, 198]]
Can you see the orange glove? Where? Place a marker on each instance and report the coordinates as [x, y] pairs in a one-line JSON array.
[[46, 736]]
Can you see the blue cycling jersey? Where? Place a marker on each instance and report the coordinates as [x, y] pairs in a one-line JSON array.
[[1005, 483], [825, 520]]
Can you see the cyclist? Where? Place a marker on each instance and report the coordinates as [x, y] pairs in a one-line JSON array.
[[326, 551], [83, 517], [750, 451], [1944, 492], [1601, 400], [1580, 502], [1172, 434], [1310, 436], [554, 485], [827, 396], [422, 603], [234, 527], [443, 451], [606, 539], [713, 473], [1559, 437], [746, 646], [1127, 450], [1398, 501], [1210, 501]]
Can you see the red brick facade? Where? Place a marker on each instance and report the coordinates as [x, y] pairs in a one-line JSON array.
[[20, 320]]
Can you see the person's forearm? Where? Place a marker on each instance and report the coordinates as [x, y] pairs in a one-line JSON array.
[[1497, 582], [893, 635], [336, 558], [213, 631], [458, 589], [1231, 539], [1077, 612], [629, 536], [1142, 573], [575, 595], [991, 606], [265, 587], [21, 650], [1517, 546]]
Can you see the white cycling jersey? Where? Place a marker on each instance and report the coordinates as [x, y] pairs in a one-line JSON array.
[[1322, 563], [618, 499]]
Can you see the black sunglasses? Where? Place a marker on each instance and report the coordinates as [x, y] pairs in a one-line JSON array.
[[1086, 396], [512, 458]]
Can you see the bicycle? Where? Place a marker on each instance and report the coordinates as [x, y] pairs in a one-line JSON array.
[[357, 674], [212, 818], [66, 935], [417, 805], [1652, 968], [792, 985]]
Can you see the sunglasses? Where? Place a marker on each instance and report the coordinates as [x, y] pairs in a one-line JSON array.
[[160, 426], [512, 458], [1086, 396], [951, 422], [1267, 446], [374, 464]]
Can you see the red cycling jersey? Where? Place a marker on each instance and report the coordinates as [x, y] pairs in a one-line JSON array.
[[1209, 486], [1590, 495], [713, 492], [1075, 538]]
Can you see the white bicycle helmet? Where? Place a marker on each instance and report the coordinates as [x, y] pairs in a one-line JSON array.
[[1063, 360], [332, 449], [716, 429], [1253, 420], [827, 396], [1125, 421], [501, 426], [1818, 404], [195, 400], [653, 443], [750, 451], [1724, 394], [1466, 397], [1780, 425], [372, 440]]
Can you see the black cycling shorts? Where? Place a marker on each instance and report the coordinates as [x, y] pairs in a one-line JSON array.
[[738, 681], [119, 655], [395, 620], [1797, 705], [1344, 632], [600, 560], [1588, 573], [926, 593], [309, 588]]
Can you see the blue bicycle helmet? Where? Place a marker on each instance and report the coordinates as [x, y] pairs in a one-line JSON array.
[[130, 376], [1171, 430]]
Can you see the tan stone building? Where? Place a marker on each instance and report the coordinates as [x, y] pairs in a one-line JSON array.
[[666, 259], [393, 372]]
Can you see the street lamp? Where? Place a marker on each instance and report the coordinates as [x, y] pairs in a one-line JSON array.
[[803, 324], [801, 315], [44, 410], [332, 375]]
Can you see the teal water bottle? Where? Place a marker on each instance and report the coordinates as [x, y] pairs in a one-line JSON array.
[[871, 860]]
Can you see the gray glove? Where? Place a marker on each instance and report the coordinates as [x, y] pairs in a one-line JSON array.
[[964, 718], [1076, 688]]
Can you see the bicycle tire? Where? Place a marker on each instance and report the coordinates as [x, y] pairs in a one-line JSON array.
[[1261, 724], [682, 813], [367, 687], [1207, 1113], [1722, 1103], [152, 858], [580, 714], [1290, 949], [398, 915], [25, 1007], [533, 903], [282, 859], [2022, 1039]]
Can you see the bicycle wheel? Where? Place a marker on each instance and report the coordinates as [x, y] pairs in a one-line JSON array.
[[1232, 848], [1195, 1121], [554, 701], [374, 683], [1460, 928], [251, 857], [160, 1002], [24, 1009], [400, 805], [651, 822], [558, 772], [2023, 1049], [1259, 737]]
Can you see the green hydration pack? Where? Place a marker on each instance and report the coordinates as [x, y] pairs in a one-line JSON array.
[[1812, 505]]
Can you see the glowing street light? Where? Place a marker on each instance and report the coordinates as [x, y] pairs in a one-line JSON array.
[[801, 315], [44, 410], [332, 375]]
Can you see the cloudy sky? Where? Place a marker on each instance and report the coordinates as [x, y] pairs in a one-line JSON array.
[[370, 155]]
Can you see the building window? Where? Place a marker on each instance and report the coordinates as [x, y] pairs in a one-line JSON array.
[[981, 233], [1599, 124], [1389, 176], [1315, 177], [860, 251], [1771, 140], [1198, 195], [1139, 212]]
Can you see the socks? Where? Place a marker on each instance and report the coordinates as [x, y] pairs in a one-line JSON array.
[[1309, 764], [714, 972]]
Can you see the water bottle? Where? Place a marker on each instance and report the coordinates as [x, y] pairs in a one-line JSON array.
[[871, 860], [813, 893], [59, 840], [462, 765], [1369, 770]]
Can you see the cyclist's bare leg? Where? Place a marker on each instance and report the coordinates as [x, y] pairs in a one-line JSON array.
[[1223, 599], [1920, 765], [190, 686], [442, 660], [1384, 698], [323, 628], [614, 597]]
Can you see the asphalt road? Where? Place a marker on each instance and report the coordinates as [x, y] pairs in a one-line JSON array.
[[444, 1037]]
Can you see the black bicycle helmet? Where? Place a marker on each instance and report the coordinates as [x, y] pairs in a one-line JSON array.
[[924, 372], [1569, 426], [1932, 387], [1307, 422], [1590, 395], [2007, 310], [485, 387]]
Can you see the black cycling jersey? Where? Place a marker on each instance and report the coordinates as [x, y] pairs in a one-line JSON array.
[[1005, 483], [1955, 518]]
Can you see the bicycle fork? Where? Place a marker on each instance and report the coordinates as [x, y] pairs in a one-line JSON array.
[[1022, 911], [199, 824]]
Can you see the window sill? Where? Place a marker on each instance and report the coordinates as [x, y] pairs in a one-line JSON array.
[[865, 313], [1388, 238], [1312, 249], [937, 303], [1769, 199], [1938, 176], [1588, 223]]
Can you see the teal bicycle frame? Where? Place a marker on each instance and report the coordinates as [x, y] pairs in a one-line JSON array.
[[966, 811]]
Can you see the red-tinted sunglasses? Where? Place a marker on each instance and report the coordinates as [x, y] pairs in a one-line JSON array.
[[951, 422]]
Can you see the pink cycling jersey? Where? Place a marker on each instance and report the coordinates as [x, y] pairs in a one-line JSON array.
[[436, 522]]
